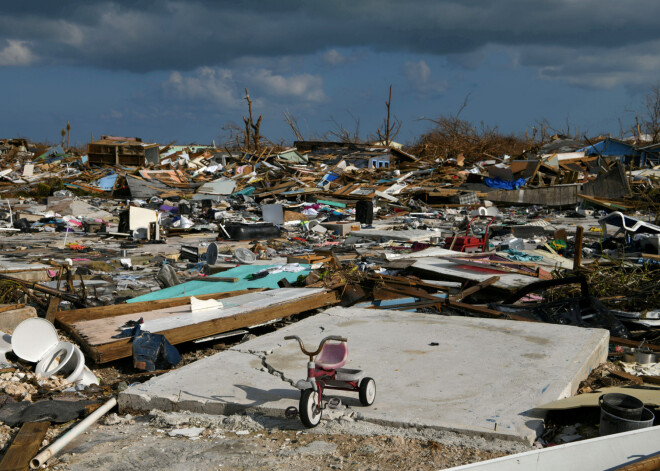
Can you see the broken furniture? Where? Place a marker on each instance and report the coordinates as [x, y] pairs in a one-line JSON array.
[[471, 242]]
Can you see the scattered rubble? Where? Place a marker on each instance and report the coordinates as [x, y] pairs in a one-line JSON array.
[[146, 257]]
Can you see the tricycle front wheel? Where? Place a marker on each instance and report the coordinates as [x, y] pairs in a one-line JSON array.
[[310, 412], [367, 391]]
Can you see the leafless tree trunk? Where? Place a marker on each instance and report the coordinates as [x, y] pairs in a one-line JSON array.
[[252, 129], [388, 130], [293, 124]]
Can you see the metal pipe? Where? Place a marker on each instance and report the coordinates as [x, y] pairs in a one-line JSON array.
[[65, 439]]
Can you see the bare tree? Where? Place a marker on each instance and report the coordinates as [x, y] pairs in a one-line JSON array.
[[651, 118], [565, 130], [252, 136], [63, 132], [389, 129], [456, 138], [68, 135], [343, 134], [293, 124]]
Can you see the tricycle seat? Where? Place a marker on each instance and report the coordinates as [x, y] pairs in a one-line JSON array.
[[332, 356]]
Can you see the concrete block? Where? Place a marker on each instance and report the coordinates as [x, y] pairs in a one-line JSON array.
[[343, 228], [9, 320]]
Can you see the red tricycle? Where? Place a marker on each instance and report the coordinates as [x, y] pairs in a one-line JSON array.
[[327, 373]]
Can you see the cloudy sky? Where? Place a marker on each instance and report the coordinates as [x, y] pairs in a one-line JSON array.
[[174, 70]]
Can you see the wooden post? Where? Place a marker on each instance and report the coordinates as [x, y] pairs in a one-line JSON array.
[[577, 257], [25, 446]]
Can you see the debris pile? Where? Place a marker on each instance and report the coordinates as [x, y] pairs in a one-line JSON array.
[[142, 253]]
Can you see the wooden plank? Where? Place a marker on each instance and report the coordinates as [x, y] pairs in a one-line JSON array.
[[488, 312], [627, 376], [25, 446], [122, 348], [215, 279], [651, 379], [651, 463], [503, 266], [473, 289], [633, 343], [402, 291], [75, 315], [402, 280], [11, 307], [577, 258], [651, 256], [53, 306]]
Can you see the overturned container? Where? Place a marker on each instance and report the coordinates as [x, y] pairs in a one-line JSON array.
[[622, 413]]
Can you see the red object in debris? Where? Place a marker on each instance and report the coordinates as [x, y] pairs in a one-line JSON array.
[[76, 247], [470, 243]]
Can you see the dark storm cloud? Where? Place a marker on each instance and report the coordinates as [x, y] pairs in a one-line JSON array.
[[145, 35]]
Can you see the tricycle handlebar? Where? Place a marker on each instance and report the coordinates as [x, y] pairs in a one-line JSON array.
[[318, 350]]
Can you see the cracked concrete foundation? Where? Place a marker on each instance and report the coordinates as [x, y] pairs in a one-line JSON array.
[[476, 376]]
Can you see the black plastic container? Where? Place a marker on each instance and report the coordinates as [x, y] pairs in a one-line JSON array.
[[364, 212], [622, 405], [610, 423], [257, 231]]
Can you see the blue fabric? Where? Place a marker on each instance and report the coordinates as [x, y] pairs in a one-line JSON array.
[[153, 352], [517, 256], [503, 184]]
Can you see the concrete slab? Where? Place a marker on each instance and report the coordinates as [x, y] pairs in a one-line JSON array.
[[479, 376], [409, 235]]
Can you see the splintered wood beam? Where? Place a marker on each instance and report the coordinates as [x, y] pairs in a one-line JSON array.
[[473, 289]]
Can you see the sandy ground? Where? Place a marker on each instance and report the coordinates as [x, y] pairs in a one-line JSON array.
[[245, 442]]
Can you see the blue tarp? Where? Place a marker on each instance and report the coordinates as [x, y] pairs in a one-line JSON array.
[[518, 256], [107, 183], [245, 191], [503, 184], [196, 288], [610, 147]]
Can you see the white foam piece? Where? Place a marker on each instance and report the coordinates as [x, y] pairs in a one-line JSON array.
[[204, 305]]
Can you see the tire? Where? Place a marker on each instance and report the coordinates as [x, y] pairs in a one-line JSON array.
[[367, 391], [310, 414]]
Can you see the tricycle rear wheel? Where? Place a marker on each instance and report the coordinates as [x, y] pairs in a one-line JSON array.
[[310, 412]]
